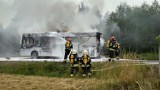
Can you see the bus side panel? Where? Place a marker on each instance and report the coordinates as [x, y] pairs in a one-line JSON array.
[[27, 51], [58, 50]]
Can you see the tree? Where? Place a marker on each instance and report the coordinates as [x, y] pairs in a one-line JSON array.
[[138, 26]]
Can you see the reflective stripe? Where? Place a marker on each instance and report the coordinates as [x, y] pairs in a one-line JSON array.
[[68, 44], [89, 74], [112, 49], [108, 43], [118, 45], [88, 65], [85, 59], [83, 65], [72, 59], [75, 65]]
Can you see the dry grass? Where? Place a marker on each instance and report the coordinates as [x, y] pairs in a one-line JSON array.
[[139, 56], [131, 55], [20, 82], [126, 76]]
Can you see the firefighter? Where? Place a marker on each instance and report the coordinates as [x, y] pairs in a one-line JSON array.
[[86, 64], [111, 45], [74, 60], [68, 47]]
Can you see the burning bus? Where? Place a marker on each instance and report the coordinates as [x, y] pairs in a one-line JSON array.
[[52, 44]]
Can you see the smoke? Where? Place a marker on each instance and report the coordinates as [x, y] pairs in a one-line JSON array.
[[108, 28], [42, 16], [52, 15], [6, 13], [29, 16], [9, 41]]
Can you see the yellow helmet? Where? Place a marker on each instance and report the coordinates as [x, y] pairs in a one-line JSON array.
[[85, 52], [74, 51]]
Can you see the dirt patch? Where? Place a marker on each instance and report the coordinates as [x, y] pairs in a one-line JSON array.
[[20, 82]]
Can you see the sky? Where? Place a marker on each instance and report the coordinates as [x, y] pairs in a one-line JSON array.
[[110, 5]]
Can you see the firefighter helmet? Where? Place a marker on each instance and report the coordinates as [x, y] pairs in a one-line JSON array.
[[69, 39], [74, 51], [85, 52]]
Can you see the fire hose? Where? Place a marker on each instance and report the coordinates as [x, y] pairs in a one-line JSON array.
[[109, 68]]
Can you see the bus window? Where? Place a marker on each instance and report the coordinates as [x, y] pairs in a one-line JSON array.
[[45, 41], [37, 42], [23, 45], [27, 42]]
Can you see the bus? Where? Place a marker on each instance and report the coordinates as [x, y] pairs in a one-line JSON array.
[[52, 44]]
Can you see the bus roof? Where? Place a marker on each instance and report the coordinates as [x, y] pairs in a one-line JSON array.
[[63, 34]]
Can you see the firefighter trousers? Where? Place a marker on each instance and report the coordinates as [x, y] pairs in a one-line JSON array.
[[86, 69], [117, 53], [67, 51], [112, 53], [74, 69]]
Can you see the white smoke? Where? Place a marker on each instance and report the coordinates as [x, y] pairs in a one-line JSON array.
[[6, 13], [49, 15], [29, 16]]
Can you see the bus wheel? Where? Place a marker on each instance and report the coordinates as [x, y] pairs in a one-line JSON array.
[[34, 55]]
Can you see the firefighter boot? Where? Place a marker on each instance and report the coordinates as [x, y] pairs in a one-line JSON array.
[[109, 59], [89, 75], [117, 58], [84, 75], [71, 75]]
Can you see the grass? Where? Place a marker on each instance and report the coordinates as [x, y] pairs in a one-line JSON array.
[[139, 56], [111, 76], [131, 55], [126, 76], [35, 68], [149, 56]]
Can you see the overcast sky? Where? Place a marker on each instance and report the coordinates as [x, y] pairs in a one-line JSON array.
[[111, 5]]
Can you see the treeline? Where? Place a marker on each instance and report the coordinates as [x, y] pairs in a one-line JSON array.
[[137, 26]]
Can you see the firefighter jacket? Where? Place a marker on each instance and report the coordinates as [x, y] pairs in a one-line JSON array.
[[117, 46], [111, 44], [85, 61], [68, 45], [74, 60], [107, 43]]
